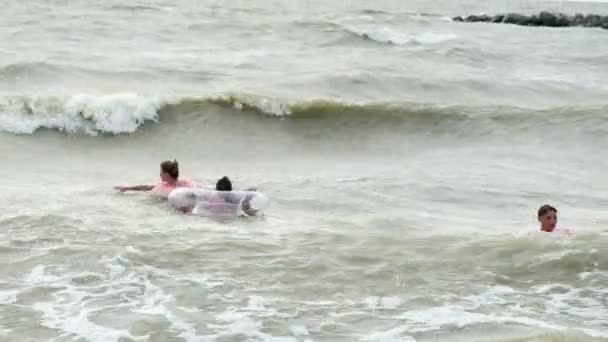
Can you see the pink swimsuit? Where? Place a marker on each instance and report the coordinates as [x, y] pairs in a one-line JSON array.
[[164, 189]]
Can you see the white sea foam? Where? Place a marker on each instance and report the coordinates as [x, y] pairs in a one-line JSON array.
[[88, 114]]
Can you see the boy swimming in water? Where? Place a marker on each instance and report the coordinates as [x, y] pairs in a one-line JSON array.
[[547, 216], [169, 180]]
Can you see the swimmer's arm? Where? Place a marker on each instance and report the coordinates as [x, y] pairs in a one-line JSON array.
[[250, 212], [134, 188], [246, 206]]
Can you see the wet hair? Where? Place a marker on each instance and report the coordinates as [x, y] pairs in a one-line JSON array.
[[170, 167], [223, 184], [545, 209]]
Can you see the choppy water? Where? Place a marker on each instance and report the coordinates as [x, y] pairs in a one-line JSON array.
[[405, 156]]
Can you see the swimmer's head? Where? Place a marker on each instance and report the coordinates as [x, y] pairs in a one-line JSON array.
[[169, 171], [223, 184], [547, 216]]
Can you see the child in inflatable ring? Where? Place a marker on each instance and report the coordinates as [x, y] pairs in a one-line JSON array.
[[224, 184]]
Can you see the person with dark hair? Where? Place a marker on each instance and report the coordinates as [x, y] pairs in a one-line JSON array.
[[169, 176], [547, 216], [224, 184]]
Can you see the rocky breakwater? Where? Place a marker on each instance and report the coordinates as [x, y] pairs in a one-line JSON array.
[[541, 19]]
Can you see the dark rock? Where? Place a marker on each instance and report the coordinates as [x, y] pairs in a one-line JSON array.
[[563, 21], [498, 18], [532, 21], [604, 22], [485, 18], [592, 20], [544, 18], [578, 20], [547, 19], [477, 18], [514, 18]]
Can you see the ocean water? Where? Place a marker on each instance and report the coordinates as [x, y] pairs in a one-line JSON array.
[[405, 157]]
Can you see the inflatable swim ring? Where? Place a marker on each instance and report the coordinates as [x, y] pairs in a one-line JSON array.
[[204, 202]]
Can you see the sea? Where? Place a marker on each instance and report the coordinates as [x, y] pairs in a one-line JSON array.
[[405, 156]]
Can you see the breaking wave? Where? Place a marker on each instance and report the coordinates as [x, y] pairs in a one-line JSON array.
[[127, 113]]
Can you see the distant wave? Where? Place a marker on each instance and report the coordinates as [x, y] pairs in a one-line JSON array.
[[50, 72], [16, 70], [138, 7], [127, 113], [406, 14], [391, 36], [386, 33], [39, 70]]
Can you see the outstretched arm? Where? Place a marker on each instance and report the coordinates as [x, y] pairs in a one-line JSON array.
[[134, 188]]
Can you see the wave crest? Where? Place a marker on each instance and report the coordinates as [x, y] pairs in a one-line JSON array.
[[17, 70], [126, 113], [88, 114], [385, 35]]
